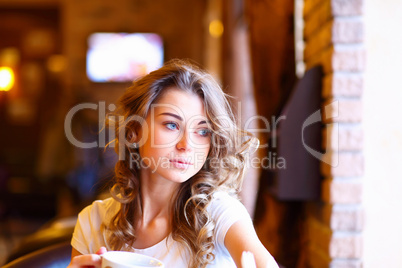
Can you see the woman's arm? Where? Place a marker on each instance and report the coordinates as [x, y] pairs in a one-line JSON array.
[[92, 260], [240, 237]]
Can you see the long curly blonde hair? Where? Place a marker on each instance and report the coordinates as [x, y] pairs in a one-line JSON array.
[[224, 168]]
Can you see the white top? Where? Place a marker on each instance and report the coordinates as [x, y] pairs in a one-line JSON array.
[[225, 210]]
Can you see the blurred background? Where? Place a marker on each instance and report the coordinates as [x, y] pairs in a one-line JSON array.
[[328, 193]]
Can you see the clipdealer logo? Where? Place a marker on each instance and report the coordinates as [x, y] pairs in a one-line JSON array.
[[272, 160]]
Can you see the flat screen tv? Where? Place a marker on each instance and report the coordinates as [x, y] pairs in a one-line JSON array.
[[122, 57]]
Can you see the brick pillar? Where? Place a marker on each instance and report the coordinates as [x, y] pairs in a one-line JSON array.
[[333, 33]]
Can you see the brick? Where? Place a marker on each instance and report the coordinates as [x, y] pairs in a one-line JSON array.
[[335, 31], [347, 30], [332, 8], [315, 15], [351, 263], [345, 217], [343, 137], [347, 7], [333, 244], [346, 245], [337, 217], [316, 257], [341, 191], [343, 58], [342, 110], [342, 164], [343, 85], [346, 58]]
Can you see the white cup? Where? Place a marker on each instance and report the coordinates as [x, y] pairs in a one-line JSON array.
[[123, 259]]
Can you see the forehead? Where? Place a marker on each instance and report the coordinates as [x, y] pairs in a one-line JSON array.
[[181, 102]]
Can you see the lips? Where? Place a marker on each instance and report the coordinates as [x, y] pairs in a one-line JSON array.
[[180, 163]]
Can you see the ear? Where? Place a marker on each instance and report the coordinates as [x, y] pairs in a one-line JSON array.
[[132, 136]]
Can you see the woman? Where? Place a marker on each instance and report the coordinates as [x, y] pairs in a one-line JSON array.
[[181, 163]]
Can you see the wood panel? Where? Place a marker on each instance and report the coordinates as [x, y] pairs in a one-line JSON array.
[[272, 50]]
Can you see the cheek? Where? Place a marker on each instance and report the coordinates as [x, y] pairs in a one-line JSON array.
[[201, 155], [164, 138]]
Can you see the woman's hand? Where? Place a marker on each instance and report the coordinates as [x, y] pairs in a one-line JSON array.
[[88, 260], [247, 260]]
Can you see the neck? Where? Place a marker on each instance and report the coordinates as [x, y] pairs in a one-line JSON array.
[[156, 197]]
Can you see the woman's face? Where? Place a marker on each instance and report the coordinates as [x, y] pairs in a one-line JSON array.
[[175, 141]]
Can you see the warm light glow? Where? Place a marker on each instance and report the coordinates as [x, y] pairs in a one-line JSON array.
[[123, 57], [6, 78], [9, 56], [56, 63], [216, 28]]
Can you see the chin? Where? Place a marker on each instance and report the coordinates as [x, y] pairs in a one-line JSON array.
[[178, 176]]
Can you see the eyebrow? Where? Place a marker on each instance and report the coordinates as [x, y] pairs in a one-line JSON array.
[[180, 118], [174, 115]]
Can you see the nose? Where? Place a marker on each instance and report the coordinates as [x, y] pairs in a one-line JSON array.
[[184, 142]]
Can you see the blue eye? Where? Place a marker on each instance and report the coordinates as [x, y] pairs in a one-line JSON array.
[[171, 125], [204, 132]]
